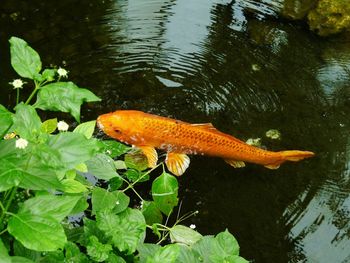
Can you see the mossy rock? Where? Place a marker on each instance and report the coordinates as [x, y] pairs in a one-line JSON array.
[[297, 9], [330, 17]]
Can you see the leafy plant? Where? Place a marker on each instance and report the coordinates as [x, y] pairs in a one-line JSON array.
[[44, 182]]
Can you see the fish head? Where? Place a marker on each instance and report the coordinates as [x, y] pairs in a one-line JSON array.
[[119, 125]]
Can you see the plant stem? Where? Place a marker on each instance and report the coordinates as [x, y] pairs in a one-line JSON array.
[[37, 86], [17, 97]]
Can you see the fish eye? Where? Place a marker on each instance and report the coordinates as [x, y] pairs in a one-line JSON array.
[[118, 131]]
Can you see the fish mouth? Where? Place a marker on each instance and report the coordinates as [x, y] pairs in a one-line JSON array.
[[99, 123]]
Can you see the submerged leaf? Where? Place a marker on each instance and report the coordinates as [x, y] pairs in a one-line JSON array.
[[273, 134]]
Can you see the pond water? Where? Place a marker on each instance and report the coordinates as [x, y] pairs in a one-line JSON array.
[[236, 65]]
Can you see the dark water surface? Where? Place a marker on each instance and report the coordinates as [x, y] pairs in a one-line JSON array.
[[236, 66]]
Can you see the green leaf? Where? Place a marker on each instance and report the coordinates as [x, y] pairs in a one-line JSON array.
[[102, 167], [126, 229], [3, 250], [147, 250], [113, 258], [35, 232], [25, 60], [164, 192], [80, 206], [65, 97], [73, 148], [102, 200], [167, 254], [86, 128], [136, 160], [26, 122], [91, 229], [82, 167], [115, 183], [205, 247], [135, 175], [10, 174], [49, 126], [49, 74], [114, 148], [188, 255], [73, 254], [151, 213], [20, 250], [54, 206], [98, 251], [185, 235], [228, 243], [72, 186], [5, 120]]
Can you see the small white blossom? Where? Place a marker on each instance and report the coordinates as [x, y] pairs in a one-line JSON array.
[[192, 226], [17, 84], [21, 143], [62, 126], [117, 203], [141, 204], [62, 72]]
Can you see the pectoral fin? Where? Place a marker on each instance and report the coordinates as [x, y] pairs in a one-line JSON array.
[[177, 163], [235, 163], [272, 166], [151, 155]]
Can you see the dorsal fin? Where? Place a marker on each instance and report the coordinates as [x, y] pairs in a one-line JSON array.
[[206, 126]]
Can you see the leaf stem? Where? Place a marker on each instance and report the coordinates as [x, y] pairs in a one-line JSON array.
[[37, 87], [17, 97]]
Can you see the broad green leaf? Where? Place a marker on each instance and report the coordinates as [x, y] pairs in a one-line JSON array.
[[188, 255], [115, 183], [114, 148], [54, 206], [72, 186], [81, 205], [120, 165], [25, 60], [26, 122], [113, 258], [86, 128], [205, 247], [151, 213], [73, 254], [228, 243], [35, 232], [135, 175], [102, 167], [147, 250], [167, 254], [164, 192], [98, 251], [82, 167], [102, 200], [126, 229], [54, 256], [136, 160], [3, 250], [49, 126], [10, 174], [20, 250], [185, 235], [73, 148], [65, 97], [49, 74], [91, 229], [5, 120]]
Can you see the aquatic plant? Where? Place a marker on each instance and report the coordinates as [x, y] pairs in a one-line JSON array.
[[46, 172]]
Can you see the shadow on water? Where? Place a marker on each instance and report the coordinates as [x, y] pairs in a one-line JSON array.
[[233, 64]]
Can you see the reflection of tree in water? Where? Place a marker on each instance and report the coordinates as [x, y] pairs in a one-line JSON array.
[[285, 93]]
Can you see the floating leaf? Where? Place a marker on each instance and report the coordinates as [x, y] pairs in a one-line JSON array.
[[164, 192], [65, 97], [25, 60], [254, 142], [136, 160]]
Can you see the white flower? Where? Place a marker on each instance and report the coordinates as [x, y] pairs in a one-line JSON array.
[[17, 84], [21, 143], [117, 203], [192, 226], [62, 126], [62, 72]]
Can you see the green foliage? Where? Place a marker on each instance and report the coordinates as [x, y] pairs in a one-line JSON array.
[[43, 186]]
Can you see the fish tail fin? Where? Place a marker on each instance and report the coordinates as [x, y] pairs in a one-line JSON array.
[[293, 156]]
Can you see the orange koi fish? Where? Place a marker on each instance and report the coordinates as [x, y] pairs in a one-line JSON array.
[[178, 138]]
